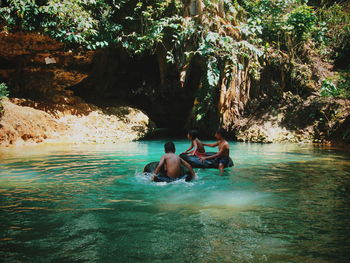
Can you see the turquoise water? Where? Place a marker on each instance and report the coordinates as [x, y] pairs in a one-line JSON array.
[[280, 203]]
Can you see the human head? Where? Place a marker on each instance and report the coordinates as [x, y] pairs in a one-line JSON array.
[[192, 135], [169, 147], [220, 134]]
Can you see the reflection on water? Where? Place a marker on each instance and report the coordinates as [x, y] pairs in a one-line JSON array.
[[280, 203]]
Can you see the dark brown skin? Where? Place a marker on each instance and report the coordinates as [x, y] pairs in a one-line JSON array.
[[224, 150], [172, 163]]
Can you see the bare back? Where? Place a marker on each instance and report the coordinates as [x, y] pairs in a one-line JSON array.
[[224, 148], [172, 164]]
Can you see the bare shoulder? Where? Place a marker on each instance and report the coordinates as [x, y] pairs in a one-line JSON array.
[[172, 156], [225, 144], [168, 155]]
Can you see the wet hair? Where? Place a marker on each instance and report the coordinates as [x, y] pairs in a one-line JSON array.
[[193, 134], [222, 132], [169, 147]]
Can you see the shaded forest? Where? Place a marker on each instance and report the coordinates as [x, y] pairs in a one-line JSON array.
[[266, 70]]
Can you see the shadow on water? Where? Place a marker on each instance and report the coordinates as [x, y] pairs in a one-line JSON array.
[[280, 203]]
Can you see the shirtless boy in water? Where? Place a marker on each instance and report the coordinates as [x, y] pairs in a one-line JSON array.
[[224, 150], [171, 163]]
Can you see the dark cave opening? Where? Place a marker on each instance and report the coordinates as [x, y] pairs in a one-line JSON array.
[[117, 79]]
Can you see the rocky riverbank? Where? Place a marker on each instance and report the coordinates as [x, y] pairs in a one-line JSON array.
[[294, 119], [42, 72], [25, 122]]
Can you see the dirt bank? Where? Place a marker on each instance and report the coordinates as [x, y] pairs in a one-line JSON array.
[[295, 119], [31, 124]]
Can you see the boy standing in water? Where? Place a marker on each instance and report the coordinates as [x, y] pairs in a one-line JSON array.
[[196, 144], [171, 164], [224, 150]]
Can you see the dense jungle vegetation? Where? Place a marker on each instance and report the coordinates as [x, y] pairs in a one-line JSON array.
[[226, 35]]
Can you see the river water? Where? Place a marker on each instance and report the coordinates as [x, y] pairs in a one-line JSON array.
[[279, 203]]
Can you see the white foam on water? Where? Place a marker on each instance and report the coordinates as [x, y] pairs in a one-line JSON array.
[[236, 198], [143, 177], [217, 199], [147, 177]]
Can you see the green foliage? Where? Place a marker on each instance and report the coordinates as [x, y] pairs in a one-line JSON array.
[[344, 85], [4, 90], [329, 89], [21, 13], [336, 24], [94, 23], [141, 26], [302, 21], [280, 22], [339, 87], [72, 21], [337, 21]]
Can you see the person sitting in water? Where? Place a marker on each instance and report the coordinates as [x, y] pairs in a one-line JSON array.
[[224, 150], [171, 164], [196, 144]]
